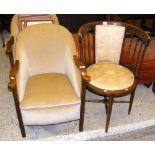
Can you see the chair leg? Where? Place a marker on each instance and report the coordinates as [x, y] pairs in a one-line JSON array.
[[11, 59], [110, 104], [3, 42], [147, 84], [153, 87], [105, 100], [82, 109], [131, 101], [20, 120], [106, 107]]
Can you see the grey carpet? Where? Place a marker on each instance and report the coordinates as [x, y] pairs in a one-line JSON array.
[[142, 115], [145, 134]]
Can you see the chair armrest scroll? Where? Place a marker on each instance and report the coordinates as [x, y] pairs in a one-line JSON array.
[[12, 76], [82, 69], [10, 45]]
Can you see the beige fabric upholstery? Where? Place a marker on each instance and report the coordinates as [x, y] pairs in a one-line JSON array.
[[53, 115], [49, 98], [53, 55], [110, 76], [108, 43], [14, 27], [48, 90], [55, 18], [48, 81]]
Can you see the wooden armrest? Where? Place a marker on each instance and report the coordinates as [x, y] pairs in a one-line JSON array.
[[10, 45], [12, 76], [148, 32], [82, 69], [78, 63]]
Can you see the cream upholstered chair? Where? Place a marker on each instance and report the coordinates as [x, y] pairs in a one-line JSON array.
[[110, 75], [19, 22], [45, 81]]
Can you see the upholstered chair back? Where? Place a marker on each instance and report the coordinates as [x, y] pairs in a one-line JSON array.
[[15, 25], [46, 48], [108, 43], [32, 19]]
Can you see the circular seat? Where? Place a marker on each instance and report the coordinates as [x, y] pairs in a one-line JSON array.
[[110, 76]]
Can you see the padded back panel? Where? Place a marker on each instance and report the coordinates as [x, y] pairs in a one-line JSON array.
[[45, 47], [108, 43]]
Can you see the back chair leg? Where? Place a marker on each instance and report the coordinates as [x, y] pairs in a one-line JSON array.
[[20, 120], [110, 104], [3, 45], [82, 109], [153, 87], [1, 32], [131, 101], [105, 101], [106, 107]]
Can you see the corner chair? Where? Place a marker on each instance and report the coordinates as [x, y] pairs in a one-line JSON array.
[[113, 72]]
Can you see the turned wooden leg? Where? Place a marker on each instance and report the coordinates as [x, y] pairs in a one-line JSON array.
[[110, 104], [1, 32], [3, 45], [82, 109], [106, 107], [131, 101], [11, 59], [22, 129], [148, 84], [105, 101], [153, 87]]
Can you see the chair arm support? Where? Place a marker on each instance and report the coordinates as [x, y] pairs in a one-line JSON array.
[[10, 45], [12, 76], [82, 69]]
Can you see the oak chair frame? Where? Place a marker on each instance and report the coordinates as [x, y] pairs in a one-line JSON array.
[[87, 57]]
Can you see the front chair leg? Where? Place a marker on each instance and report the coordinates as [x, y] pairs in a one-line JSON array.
[[153, 87], [110, 104], [20, 120], [131, 101], [11, 59], [105, 101], [82, 109]]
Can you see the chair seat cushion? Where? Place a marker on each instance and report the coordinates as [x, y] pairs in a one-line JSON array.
[[48, 90], [110, 76]]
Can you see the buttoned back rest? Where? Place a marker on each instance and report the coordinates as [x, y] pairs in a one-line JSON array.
[[45, 46]]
